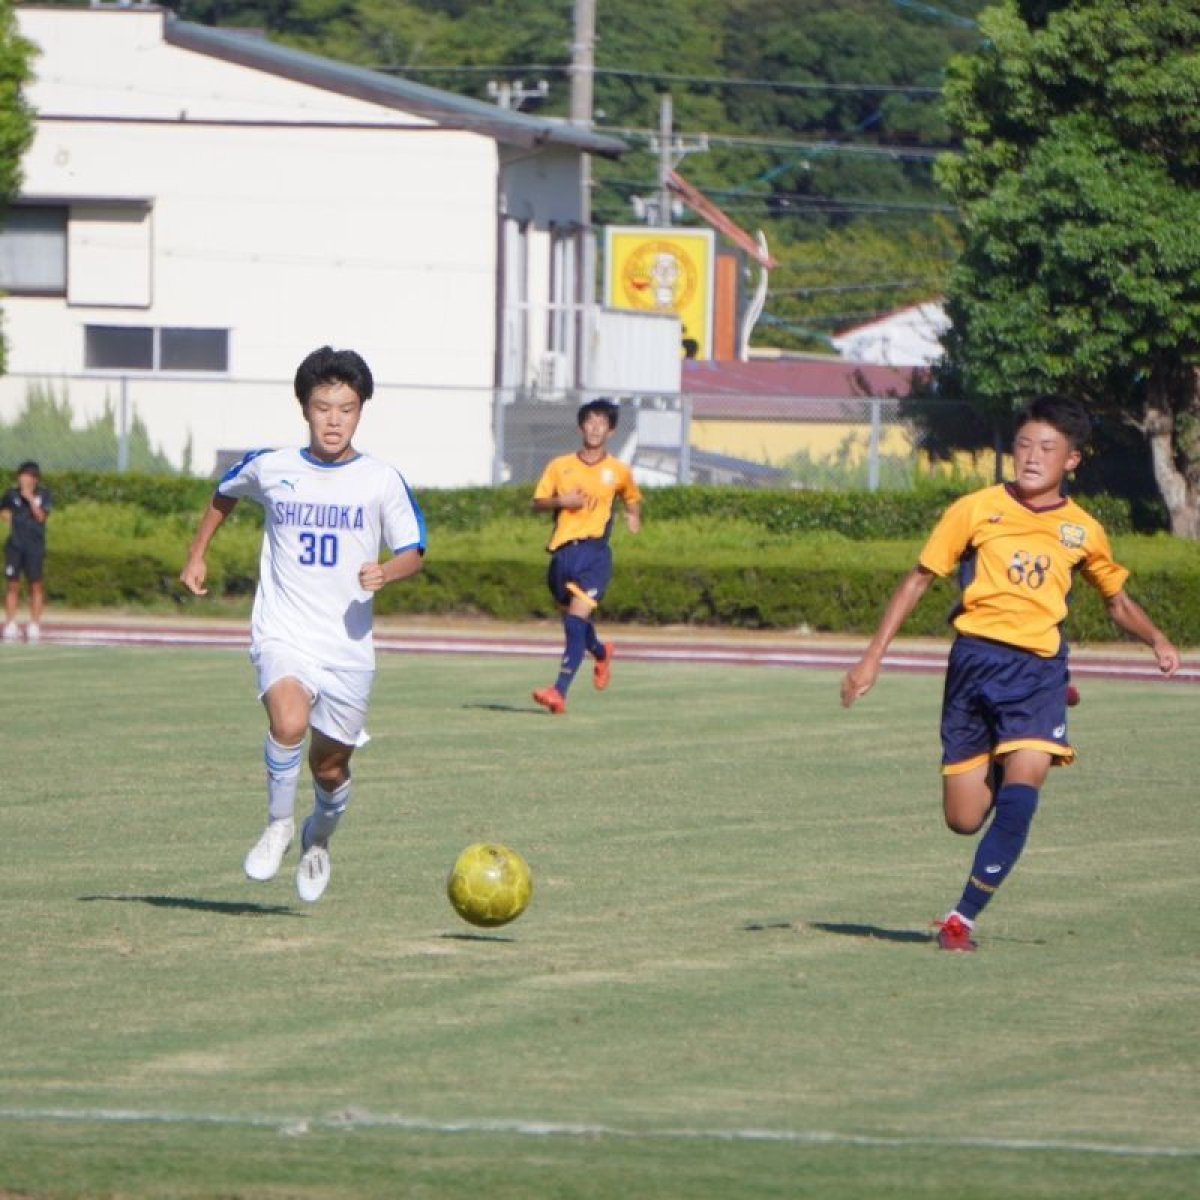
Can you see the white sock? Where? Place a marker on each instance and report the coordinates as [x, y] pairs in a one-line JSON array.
[[283, 774], [327, 812]]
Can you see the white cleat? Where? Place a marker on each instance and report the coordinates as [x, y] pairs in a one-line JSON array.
[[33, 632], [12, 631], [312, 875], [266, 855]]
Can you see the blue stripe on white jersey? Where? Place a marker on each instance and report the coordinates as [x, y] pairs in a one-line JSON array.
[[420, 516], [239, 466]]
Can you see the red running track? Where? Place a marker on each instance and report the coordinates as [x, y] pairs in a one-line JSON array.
[[732, 651]]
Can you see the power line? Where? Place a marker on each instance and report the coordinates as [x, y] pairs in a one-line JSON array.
[[905, 154], [941, 14], [734, 81], [779, 202], [887, 285], [723, 81]]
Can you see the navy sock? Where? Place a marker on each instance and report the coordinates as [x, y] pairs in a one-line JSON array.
[[1000, 846], [576, 632], [595, 646]]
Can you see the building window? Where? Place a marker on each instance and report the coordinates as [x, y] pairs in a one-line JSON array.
[[116, 347], [33, 250], [193, 349], [145, 348]]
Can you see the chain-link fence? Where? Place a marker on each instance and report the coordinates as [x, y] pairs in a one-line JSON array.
[[446, 436]]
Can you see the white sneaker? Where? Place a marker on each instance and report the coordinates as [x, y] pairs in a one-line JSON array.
[[266, 855], [33, 632], [12, 632], [312, 875]]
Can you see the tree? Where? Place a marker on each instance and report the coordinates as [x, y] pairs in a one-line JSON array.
[[16, 118], [1079, 185]]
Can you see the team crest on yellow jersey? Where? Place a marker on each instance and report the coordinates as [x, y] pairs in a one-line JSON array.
[[608, 475], [1072, 536]]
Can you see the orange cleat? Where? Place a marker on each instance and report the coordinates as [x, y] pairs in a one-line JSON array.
[[602, 675], [955, 934], [551, 698]]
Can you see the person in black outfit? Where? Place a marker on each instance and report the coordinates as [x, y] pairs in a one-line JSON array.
[[26, 508]]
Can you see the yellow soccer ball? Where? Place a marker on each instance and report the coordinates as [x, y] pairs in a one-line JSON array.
[[490, 884]]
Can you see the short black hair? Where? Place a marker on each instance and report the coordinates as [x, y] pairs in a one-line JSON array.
[[602, 405], [29, 467], [1068, 416], [327, 365]]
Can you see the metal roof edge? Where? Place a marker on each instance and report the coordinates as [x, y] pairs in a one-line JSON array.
[[361, 83]]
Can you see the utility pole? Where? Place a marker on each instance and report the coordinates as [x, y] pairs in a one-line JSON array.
[[666, 156], [583, 75], [671, 151]]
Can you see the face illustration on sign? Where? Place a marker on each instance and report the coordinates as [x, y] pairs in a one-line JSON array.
[[658, 276]]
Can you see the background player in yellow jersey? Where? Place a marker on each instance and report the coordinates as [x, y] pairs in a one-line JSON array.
[[1016, 547], [581, 489]]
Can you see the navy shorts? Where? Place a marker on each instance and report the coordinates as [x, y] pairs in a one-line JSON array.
[[582, 569], [999, 698], [24, 560]]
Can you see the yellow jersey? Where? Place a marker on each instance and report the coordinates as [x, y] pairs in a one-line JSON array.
[[600, 483], [1016, 565]]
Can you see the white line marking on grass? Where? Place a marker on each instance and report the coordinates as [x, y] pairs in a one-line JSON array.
[[931, 661], [358, 1119]]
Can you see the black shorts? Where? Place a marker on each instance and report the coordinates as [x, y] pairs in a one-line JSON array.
[[582, 569], [24, 560], [998, 699]]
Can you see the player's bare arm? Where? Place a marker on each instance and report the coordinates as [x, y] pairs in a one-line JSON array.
[[36, 511], [633, 517], [195, 570], [571, 500], [1130, 616], [376, 575], [861, 677]]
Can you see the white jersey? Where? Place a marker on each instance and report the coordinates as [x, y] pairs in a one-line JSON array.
[[323, 522]]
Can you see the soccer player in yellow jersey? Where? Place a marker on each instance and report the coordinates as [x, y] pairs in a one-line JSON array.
[[580, 490], [1016, 547]]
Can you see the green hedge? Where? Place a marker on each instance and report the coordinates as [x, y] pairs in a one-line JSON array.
[[707, 556], [859, 515], [801, 594]]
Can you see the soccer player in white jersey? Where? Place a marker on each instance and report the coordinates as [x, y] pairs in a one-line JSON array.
[[329, 509]]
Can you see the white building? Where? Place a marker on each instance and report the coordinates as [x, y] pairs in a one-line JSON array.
[[201, 208], [910, 337]]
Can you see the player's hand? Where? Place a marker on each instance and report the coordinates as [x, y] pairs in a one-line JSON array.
[[573, 500], [193, 576], [370, 576], [858, 681], [1167, 656], [634, 521]]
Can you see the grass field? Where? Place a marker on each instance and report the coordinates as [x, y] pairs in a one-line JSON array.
[[724, 986]]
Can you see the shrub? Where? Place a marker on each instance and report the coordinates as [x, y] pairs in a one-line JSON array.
[[707, 556]]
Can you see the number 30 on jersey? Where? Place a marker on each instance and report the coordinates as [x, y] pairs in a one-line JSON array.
[[318, 549]]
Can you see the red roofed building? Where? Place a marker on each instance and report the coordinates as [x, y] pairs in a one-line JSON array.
[[773, 411]]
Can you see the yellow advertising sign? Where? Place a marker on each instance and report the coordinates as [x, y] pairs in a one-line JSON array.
[[663, 271]]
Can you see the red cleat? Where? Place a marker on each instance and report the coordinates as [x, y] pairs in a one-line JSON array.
[[551, 698], [955, 934], [1072, 695], [602, 675]]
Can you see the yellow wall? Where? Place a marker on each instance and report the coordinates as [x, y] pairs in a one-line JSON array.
[[776, 442]]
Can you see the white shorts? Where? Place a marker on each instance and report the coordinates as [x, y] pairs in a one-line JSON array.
[[339, 698]]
